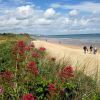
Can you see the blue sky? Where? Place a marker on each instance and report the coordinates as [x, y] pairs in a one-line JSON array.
[[50, 16]]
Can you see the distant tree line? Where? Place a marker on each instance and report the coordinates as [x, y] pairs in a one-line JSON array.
[[14, 34], [18, 34]]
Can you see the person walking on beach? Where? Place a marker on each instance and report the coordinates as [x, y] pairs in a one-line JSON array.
[[95, 50], [85, 49], [91, 48]]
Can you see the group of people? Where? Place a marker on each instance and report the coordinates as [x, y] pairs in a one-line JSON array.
[[92, 49]]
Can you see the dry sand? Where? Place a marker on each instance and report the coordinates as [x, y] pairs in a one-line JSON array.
[[90, 62]]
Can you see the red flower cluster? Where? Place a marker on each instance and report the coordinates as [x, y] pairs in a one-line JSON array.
[[42, 49], [8, 75], [21, 44], [19, 48], [67, 72], [33, 67], [35, 55], [28, 97], [51, 87]]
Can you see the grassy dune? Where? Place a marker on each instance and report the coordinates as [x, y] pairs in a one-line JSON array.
[[40, 71], [88, 63]]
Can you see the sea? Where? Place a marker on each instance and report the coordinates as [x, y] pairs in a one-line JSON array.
[[74, 39]]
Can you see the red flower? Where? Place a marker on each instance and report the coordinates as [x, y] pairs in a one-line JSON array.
[[35, 55], [67, 72], [8, 75], [19, 48], [21, 44], [51, 87], [28, 97], [42, 49], [33, 67]]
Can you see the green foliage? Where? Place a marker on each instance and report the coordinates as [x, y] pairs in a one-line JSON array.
[[41, 88], [5, 56], [69, 86], [24, 81]]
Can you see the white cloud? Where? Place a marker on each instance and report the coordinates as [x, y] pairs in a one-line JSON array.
[[8, 22], [30, 18], [43, 21], [67, 21], [84, 21], [49, 13], [24, 12], [73, 12]]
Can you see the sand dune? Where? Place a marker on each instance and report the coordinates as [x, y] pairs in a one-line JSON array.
[[90, 62]]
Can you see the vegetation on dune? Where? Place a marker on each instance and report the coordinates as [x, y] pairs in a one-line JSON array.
[[27, 73]]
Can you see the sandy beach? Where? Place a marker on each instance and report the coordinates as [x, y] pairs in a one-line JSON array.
[[90, 63]]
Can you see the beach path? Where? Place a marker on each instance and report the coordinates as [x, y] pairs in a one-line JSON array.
[[89, 62]]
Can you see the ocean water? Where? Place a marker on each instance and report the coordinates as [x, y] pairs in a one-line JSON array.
[[75, 39]]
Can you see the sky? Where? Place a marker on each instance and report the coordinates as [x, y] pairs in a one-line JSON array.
[[50, 17]]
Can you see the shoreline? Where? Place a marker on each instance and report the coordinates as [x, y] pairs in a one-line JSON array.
[[60, 43], [73, 39], [67, 45], [72, 42]]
